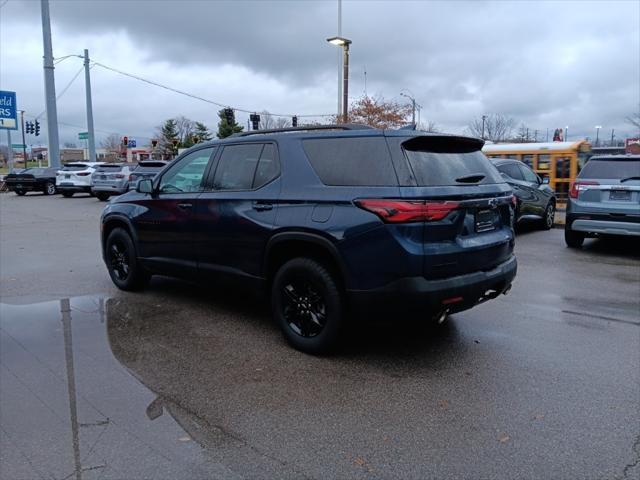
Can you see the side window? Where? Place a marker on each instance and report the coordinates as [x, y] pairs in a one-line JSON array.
[[268, 166], [186, 175], [511, 170], [529, 176], [237, 167]]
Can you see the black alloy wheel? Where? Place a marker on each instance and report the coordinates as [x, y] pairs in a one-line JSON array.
[[50, 189], [573, 239], [103, 197], [122, 263], [307, 304], [21, 192], [67, 194], [549, 216]]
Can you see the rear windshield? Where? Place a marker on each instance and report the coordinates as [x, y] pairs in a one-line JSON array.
[[34, 171], [149, 167], [109, 168], [618, 169], [449, 161], [353, 161], [74, 167]]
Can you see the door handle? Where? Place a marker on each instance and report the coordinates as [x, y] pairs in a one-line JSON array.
[[261, 207], [185, 206]]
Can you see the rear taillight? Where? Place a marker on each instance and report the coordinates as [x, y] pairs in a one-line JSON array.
[[514, 201], [83, 174], [119, 175], [131, 178], [400, 211], [577, 187]]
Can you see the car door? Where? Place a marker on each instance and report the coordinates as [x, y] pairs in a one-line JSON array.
[[165, 225], [537, 200], [236, 214]]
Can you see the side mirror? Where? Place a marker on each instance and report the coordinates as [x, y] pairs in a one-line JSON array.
[[144, 186], [545, 180]]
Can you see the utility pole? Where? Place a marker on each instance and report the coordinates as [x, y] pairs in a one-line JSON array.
[[50, 89], [339, 60], [612, 136], [87, 87], [10, 153], [535, 136], [24, 142], [484, 117]]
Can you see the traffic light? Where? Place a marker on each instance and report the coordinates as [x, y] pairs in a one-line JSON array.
[[229, 116], [175, 143], [294, 121], [125, 142], [154, 143], [196, 139], [28, 128], [37, 128], [255, 121]]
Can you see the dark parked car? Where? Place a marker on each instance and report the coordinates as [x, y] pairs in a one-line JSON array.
[[145, 169], [604, 199], [323, 218], [33, 180], [535, 199]]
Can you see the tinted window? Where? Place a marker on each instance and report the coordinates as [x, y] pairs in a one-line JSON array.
[[109, 168], [186, 175], [511, 170], [237, 167], [441, 160], [35, 171], [74, 167], [351, 161], [268, 167], [611, 169], [529, 176]]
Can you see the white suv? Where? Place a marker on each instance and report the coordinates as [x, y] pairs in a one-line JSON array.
[[75, 177]]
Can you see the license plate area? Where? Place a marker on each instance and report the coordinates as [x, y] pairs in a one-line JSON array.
[[485, 220], [620, 195], [67, 176]]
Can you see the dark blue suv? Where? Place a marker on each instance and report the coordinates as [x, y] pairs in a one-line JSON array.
[[326, 219]]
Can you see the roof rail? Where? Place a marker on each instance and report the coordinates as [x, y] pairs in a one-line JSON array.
[[341, 126]]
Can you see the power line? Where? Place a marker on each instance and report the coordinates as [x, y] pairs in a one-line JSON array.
[[64, 90], [197, 97]]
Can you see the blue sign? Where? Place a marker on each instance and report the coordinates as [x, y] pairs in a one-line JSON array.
[[8, 111], [132, 144]]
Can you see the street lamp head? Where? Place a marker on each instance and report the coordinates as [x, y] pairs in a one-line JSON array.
[[339, 41], [598, 127]]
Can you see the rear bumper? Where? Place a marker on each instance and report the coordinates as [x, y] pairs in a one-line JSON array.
[[27, 187], [67, 187], [454, 294], [110, 189], [603, 223]]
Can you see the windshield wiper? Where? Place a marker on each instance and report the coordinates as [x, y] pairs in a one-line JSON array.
[[472, 178], [629, 178]]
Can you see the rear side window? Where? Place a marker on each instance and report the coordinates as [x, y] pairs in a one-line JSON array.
[[449, 161], [511, 170], [360, 161], [237, 167], [74, 167], [611, 169]]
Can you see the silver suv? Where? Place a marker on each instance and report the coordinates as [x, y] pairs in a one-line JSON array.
[[111, 179], [604, 199]]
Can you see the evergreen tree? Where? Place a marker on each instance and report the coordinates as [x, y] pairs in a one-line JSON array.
[[224, 129], [202, 132], [168, 133]]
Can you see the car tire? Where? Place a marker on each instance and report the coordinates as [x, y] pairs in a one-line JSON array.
[[21, 193], [573, 239], [122, 262], [548, 219], [307, 305], [67, 194], [50, 188], [103, 197]]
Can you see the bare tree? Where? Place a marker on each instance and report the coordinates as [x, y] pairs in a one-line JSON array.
[[267, 122], [282, 122], [497, 127], [429, 127], [112, 143], [634, 119], [185, 130], [378, 112]]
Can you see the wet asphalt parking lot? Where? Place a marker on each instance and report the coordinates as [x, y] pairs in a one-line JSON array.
[[185, 381]]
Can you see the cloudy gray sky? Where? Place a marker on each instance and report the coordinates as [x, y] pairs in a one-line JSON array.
[[547, 64]]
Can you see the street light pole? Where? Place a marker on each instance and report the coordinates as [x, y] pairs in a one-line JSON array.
[[50, 89], [24, 142], [344, 43], [598, 127], [484, 117], [87, 81]]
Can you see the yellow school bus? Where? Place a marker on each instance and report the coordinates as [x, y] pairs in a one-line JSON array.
[[559, 161]]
